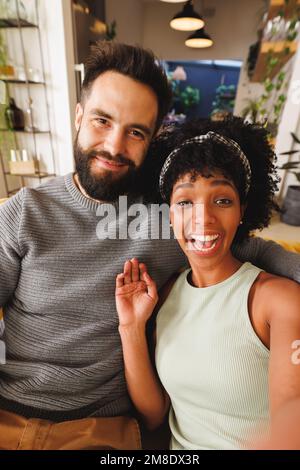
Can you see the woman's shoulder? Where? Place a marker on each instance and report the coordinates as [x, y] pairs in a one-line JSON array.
[[271, 283], [276, 293]]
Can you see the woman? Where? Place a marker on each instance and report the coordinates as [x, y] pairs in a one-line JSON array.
[[225, 331]]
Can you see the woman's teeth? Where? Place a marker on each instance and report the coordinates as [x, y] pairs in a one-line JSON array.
[[204, 243]]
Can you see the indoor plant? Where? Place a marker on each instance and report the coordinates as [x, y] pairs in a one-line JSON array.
[[291, 204]]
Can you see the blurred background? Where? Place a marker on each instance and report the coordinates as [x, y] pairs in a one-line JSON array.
[[222, 57]]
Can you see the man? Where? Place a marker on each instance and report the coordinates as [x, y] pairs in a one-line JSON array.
[[63, 384]]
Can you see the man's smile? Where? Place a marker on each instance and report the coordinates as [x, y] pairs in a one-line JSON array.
[[102, 162]]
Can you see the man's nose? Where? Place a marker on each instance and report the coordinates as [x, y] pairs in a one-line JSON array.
[[115, 142]]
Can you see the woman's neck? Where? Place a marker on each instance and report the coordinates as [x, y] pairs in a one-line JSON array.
[[205, 273]]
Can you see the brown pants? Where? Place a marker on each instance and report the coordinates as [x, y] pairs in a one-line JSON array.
[[17, 432]]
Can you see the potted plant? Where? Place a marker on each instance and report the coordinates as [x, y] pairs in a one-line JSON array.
[[5, 69], [291, 204], [223, 103]]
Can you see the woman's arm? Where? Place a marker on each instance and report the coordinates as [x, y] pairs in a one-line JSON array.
[[284, 370], [136, 297]]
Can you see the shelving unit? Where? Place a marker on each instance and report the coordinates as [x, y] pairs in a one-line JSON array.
[[283, 50], [277, 48], [14, 136]]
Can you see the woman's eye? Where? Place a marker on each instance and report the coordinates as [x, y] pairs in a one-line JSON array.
[[223, 202], [184, 203]]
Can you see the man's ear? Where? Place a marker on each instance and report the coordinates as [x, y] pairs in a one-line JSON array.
[[78, 116]]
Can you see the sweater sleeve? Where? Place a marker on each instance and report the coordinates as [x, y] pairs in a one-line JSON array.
[[10, 253], [269, 256]]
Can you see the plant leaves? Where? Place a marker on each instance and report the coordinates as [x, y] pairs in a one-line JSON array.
[[290, 152], [296, 139]]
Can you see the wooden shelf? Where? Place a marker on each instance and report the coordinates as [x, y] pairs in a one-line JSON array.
[[277, 6], [33, 175], [15, 23], [25, 131], [277, 47], [21, 82]]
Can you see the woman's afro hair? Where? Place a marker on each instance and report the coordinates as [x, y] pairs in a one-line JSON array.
[[208, 157]]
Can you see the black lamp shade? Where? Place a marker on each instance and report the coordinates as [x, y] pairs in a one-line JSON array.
[[187, 19], [199, 39]]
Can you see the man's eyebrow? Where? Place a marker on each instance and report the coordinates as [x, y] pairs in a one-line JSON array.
[[100, 112], [142, 127]]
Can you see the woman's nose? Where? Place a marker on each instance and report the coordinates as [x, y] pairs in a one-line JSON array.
[[203, 215]]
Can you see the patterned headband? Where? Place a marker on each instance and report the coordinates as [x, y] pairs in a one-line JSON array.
[[198, 140]]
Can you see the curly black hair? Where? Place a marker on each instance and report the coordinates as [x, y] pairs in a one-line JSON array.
[[209, 156]]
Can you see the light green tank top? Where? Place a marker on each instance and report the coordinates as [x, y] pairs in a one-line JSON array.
[[212, 364]]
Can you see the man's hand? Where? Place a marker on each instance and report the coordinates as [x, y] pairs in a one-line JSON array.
[[136, 294]]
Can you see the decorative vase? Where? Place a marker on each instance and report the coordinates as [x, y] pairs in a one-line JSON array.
[[14, 116], [291, 206]]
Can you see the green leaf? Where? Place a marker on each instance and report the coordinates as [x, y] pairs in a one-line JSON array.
[[289, 166], [269, 87], [295, 138], [297, 175], [290, 152]]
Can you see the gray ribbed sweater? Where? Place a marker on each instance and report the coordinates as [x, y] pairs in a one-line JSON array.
[[64, 355]]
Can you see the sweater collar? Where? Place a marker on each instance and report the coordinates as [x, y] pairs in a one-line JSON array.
[[86, 202]]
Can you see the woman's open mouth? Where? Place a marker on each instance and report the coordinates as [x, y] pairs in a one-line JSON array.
[[204, 244]]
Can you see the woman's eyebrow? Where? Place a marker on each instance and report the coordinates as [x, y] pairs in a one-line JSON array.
[[221, 182], [183, 185]]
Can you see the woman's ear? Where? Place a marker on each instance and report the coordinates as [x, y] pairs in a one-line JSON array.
[[243, 208]]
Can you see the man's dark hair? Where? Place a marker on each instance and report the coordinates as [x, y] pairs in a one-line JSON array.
[[132, 61], [205, 158]]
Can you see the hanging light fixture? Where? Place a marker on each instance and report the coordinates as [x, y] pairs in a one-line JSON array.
[[199, 39], [187, 19]]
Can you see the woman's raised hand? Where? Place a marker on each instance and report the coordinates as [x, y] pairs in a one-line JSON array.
[[136, 294]]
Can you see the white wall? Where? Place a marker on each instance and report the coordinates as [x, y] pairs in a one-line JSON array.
[[129, 17], [55, 24], [290, 122], [233, 27], [59, 48]]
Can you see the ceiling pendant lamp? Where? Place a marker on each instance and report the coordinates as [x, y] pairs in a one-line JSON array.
[[187, 19], [199, 39]]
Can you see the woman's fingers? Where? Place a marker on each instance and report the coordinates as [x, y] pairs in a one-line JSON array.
[[127, 272], [120, 280], [143, 269], [135, 270], [151, 286]]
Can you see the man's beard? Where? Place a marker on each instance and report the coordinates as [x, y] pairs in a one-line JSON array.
[[107, 186]]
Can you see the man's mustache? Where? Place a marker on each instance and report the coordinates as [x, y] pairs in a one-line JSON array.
[[109, 157]]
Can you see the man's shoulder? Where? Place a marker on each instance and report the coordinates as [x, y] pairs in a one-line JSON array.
[[50, 190], [31, 200]]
